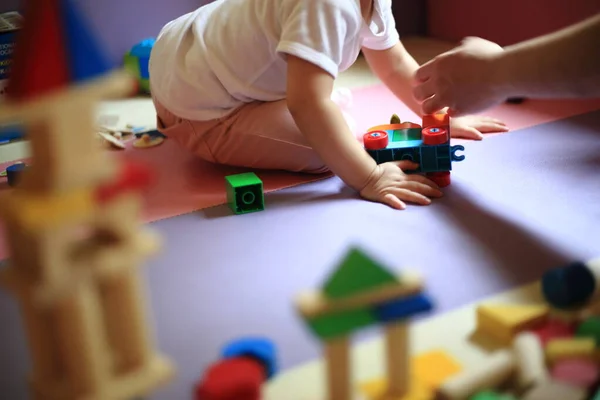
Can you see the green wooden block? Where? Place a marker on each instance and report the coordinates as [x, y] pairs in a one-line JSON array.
[[341, 323], [355, 274], [590, 328], [395, 119], [245, 193]]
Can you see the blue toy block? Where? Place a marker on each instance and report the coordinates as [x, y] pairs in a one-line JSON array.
[[14, 172], [570, 286], [137, 61], [403, 308], [430, 158], [86, 60], [143, 48], [141, 52], [408, 144], [261, 349]]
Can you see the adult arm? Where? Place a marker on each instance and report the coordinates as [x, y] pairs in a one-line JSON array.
[[480, 74], [564, 64]]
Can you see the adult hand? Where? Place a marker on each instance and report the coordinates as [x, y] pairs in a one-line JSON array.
[[462, 79]]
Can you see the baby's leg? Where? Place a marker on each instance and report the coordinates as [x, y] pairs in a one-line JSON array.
[[265, 136]]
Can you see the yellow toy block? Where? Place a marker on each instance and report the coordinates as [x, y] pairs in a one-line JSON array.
[[503, 322], [376, 390], [559, 349], [429, 371], [45, 211], [434, 367]]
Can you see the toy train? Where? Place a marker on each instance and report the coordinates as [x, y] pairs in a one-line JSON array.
[[427, 145]]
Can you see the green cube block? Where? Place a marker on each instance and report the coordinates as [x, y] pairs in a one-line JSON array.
[[341, 323], [245, 193]]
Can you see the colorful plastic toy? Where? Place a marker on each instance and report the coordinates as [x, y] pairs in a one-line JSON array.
[[245, 365], [427, 145], [245, 193], [136, 61]]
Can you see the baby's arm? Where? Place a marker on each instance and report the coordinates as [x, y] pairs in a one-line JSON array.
[[309, 91], [395, 67]]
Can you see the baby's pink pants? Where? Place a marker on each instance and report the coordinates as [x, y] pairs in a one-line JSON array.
[[256, 135]]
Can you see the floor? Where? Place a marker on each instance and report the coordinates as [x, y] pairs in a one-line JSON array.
[[140, 111]]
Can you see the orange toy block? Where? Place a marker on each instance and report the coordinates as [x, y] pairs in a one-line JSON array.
[[430, 370], [436, 120], [503, 322]]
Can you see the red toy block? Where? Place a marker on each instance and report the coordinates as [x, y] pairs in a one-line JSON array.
[[442, 179], [40, 62], [554, 329], [134, 177], [238, 378]]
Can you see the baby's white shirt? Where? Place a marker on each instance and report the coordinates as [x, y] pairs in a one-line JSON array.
[[208, 62]]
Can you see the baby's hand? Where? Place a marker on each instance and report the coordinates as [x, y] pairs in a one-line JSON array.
[[390, 185], [474, 126]]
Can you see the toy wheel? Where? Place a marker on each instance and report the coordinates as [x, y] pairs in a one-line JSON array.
[[434, 136], [376, 140]]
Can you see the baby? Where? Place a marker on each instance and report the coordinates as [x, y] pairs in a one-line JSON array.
[[250, 82]]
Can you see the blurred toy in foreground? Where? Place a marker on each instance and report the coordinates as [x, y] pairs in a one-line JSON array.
[[427, 145], [73, 221], [358, 294], [245, 366]]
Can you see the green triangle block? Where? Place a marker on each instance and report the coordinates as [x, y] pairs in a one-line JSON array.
[[356, 273], [341, 323]]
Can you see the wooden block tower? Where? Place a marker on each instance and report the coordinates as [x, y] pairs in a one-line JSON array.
[[72, 223], [358, 294]]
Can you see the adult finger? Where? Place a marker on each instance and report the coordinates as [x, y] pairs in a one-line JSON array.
[[422, 188], [413, 197], [432, 105], [423, 91], [424, 72], [393, 201]]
